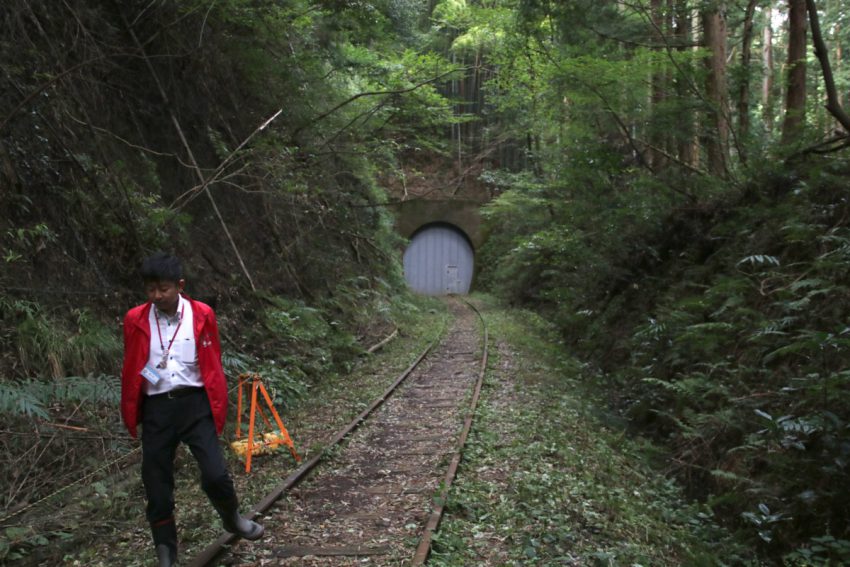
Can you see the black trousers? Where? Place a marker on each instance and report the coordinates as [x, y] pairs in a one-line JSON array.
[[166, 422]]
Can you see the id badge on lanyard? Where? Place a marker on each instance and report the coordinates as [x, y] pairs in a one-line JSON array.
[[150, 374]]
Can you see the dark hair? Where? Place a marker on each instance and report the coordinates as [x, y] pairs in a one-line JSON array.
[[162, 267]]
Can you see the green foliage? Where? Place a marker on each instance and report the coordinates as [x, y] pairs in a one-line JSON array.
[[142, 215], [32, 398], [295, 345], [823, 551], [27, 241], [717, 316], [545, 481], [47, 346], [17, 399], [721, 330]]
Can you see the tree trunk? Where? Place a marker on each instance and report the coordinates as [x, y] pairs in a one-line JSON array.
[[838, 51], [844, 97], [744, 86], [656, 98], [685, 143], [795, 93], [767, 70], [714, 39], [669, 31]]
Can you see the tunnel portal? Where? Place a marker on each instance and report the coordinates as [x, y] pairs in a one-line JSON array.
[[439, 260]]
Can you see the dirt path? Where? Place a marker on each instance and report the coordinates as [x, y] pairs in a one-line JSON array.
[[369, 504]]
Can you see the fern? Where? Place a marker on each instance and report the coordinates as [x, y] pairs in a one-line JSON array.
[[47, 347], [801, 348], [776, 327], [103, 389], [235, 363], [730, 476], [17, 399], [807, 283], [30, 398], [712, 326], [759, 260]]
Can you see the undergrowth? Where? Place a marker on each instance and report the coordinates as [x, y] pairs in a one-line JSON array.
[[721, 331], [54, 344], [548, 479]]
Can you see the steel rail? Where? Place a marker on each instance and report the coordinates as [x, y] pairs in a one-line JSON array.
[[212, 551], [424, 548]]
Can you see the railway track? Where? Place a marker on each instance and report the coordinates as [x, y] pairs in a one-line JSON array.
[[376, 493]]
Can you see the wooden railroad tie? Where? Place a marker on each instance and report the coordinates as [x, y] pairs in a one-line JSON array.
[[270, 440]]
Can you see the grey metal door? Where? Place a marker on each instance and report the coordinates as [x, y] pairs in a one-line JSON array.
[[452, 281], [439, 261]]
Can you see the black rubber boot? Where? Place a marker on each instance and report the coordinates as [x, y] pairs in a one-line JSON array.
[[234, 523], [165, 541], [166, 556]]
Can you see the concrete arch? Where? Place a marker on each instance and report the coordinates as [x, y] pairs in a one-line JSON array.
[[414, 214], [439, 260], [433, 224]]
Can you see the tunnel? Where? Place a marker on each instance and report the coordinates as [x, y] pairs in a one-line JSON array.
[[439, 260]]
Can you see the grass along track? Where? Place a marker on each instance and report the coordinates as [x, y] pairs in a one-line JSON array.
[[550, 478]]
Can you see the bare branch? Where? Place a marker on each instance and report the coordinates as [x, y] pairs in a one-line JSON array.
[[186, 197], [831, 145], [351, 99], [204, 24], [833, 104], [44, 87], [188, 149], [675, 160], [124, 141]]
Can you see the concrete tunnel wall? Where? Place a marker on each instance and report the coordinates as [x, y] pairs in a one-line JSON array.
[[444, 236], [464, 214]]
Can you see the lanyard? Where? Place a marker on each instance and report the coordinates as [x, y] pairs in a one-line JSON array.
[[165, 351]]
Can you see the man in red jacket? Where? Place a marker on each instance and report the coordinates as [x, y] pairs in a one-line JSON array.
[[173, 385]]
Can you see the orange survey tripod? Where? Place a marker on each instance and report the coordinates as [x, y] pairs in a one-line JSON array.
[[270, 440]]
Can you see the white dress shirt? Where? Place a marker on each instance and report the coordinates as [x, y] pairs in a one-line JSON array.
[[181, 368]]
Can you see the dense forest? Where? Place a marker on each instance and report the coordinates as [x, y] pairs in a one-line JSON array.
[[669, 183]]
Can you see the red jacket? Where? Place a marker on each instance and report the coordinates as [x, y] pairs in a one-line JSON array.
[[137, 341]]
